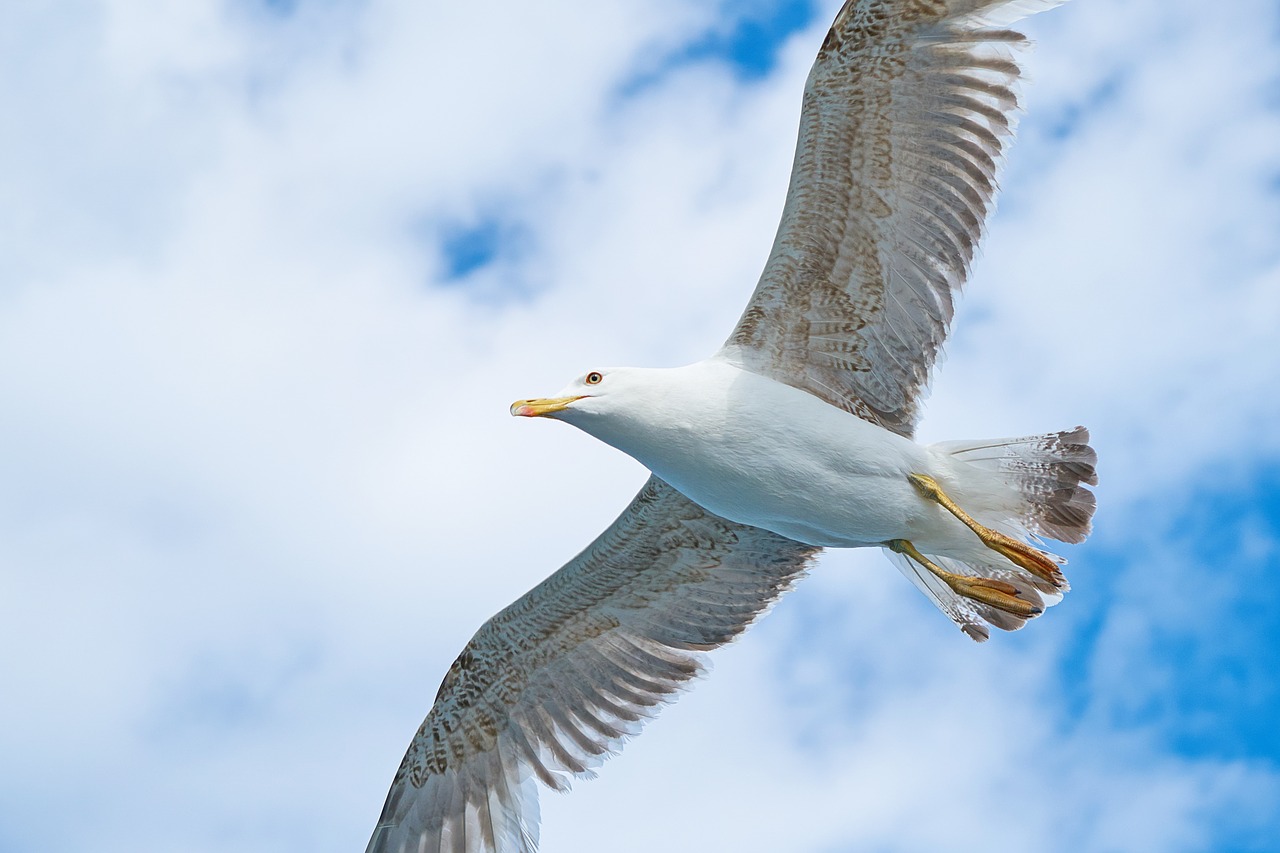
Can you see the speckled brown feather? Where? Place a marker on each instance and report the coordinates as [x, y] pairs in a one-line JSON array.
[[553, 684], [905, 118]]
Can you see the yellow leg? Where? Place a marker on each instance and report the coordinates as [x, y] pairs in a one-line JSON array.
[[1018, 553], [987, 590]]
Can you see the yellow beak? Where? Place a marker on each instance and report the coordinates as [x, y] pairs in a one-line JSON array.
[[542, 406]]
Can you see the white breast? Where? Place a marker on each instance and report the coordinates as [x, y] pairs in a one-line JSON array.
[[763, 453]]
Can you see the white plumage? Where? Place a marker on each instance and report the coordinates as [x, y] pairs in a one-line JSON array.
[[793, 437], [769, 455]]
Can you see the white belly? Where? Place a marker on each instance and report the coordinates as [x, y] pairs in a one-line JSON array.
[[763, 453]]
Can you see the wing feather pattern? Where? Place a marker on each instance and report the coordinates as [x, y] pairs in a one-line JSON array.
[[552, 685], [905, 118]]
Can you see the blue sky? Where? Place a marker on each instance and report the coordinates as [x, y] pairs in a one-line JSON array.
[[270, 274]]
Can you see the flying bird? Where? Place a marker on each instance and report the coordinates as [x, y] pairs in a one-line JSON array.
[[796, 435]]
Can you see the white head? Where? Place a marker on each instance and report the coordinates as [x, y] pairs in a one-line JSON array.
[[649, 413], [594, 393], [631, 408]]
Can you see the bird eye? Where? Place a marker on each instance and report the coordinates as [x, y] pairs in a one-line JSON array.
[[594, 378]]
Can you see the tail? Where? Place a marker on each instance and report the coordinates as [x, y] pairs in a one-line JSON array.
[[1051, 471], [1045, 479]]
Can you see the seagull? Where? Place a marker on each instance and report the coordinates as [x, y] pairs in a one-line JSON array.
[[795, 436]]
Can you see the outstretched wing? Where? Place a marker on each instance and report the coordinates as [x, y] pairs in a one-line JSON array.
[[906, 115], [549, 687]]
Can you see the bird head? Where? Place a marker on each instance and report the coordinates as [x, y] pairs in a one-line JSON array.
[[586, 394]]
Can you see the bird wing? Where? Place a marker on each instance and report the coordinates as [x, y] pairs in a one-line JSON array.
[[906, 115], [550, 686]]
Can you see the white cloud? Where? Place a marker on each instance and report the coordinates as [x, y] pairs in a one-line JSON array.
[[258, 485]]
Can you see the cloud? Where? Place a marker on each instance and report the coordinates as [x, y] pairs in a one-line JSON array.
[[258, 485]]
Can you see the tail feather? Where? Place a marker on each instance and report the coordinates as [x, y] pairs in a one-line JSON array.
[[1050, 470], [1050, 473]]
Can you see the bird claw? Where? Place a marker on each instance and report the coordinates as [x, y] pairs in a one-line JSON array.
[[1021, 554], [995, 593]]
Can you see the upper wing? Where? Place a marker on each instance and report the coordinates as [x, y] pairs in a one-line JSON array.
[[905, 117], [552, 684]]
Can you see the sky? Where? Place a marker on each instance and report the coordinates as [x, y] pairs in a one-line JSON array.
[[271, 272]]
